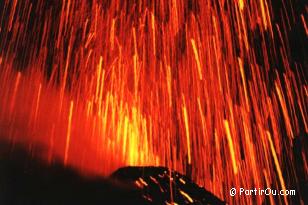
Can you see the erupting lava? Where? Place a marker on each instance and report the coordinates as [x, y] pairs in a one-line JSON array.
[[207, 88]]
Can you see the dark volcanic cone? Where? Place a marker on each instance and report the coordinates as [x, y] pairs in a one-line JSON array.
[[26, 179]]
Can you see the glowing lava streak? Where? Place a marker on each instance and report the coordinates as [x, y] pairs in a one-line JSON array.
[[231, 146], [68, 134]]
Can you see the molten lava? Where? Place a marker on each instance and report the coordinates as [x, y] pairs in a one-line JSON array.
[[208, 88]]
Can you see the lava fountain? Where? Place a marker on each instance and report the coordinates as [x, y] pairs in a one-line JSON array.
[[211, 89]]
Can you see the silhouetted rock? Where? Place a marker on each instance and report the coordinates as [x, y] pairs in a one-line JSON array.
[[25, 179], [157, 183]]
